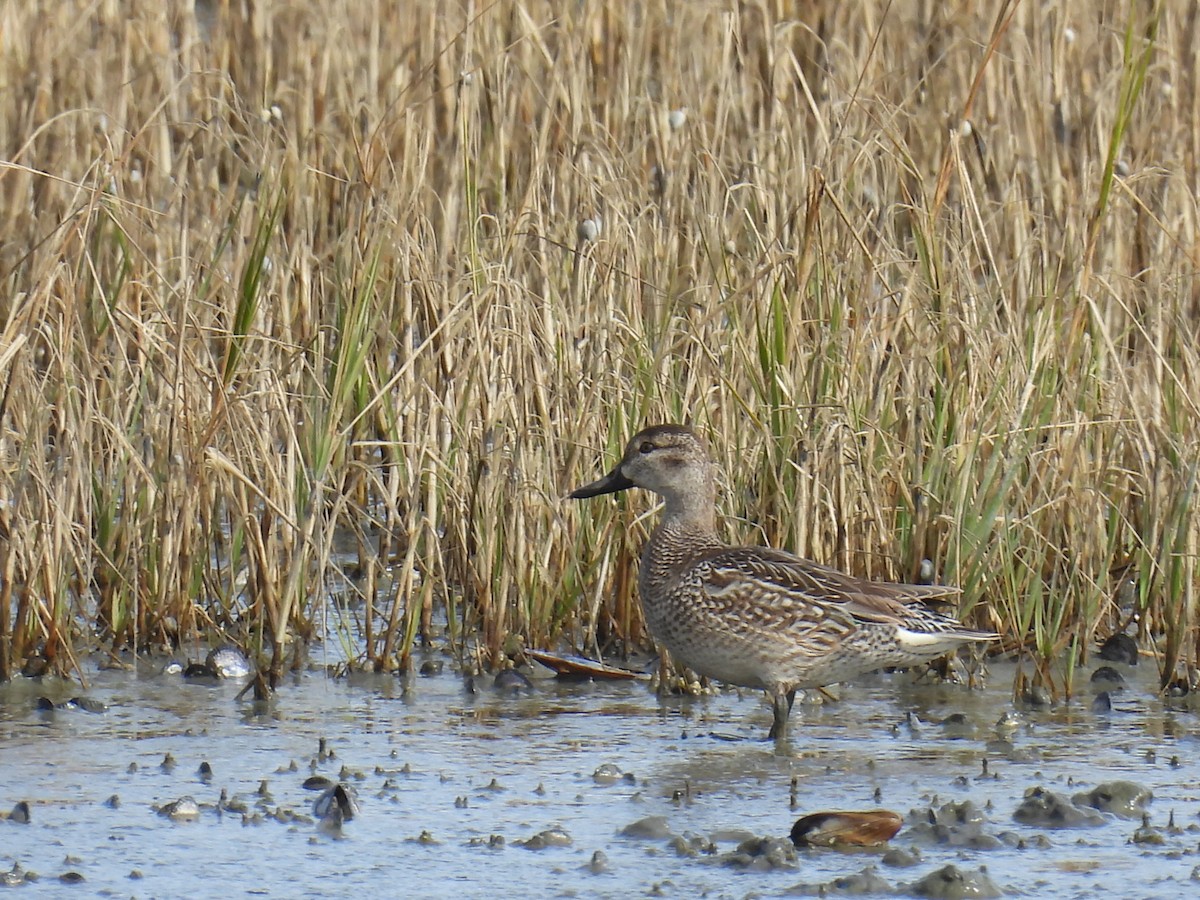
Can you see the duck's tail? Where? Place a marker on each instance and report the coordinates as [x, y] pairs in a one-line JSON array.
[[931, 634]]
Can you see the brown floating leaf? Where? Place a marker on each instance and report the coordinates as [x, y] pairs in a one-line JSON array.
[[578, 667], [847, 829]]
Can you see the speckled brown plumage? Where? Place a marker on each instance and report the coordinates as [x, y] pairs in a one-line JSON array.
[[754, 616]]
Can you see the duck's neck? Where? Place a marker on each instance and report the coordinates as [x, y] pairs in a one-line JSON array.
[[692, 514], [685, 532]]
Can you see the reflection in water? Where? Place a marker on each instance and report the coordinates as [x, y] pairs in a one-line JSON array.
[[458, 792]]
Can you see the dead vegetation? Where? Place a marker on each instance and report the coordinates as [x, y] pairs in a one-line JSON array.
[[312, 313]]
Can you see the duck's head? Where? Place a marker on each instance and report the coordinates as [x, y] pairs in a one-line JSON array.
[[671, 460]]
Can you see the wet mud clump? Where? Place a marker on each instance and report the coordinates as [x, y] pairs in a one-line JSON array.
[[1042, 808]]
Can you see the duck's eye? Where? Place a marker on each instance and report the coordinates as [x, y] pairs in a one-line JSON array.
[[646, 447]]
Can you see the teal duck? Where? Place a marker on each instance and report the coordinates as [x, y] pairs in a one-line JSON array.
[[755, 616]]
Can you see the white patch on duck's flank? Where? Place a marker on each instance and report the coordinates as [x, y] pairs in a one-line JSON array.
[[933, 643]]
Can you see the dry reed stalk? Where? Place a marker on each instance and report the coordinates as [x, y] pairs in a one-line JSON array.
[[274, 274]]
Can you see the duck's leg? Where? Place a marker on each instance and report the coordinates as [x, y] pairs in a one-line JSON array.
[[782, 701]]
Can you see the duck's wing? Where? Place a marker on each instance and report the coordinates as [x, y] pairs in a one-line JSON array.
[[781, 590]]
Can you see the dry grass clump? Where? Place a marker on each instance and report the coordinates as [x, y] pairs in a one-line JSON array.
[[303, 333]]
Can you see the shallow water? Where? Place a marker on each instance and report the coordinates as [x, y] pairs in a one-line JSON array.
[[428, 757]]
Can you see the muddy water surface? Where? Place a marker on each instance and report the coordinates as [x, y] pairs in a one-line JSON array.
[[491, 793]]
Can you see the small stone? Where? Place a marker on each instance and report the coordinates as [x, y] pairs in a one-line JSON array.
[[1122, 798], [1120, 648], [649, 828], [337, 804], [1107, 678], [866, 882], [1147, 834], [185, 809], [199, 672], [952, 883], [1046, 809], [1036, 696], [762, 854], [957, 726], [606, 773], [513, 681], [551, 837], [1007, 724], [900, 858], [228, 662]]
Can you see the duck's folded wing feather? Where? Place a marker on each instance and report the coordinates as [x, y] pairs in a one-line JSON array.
[[782, 590]]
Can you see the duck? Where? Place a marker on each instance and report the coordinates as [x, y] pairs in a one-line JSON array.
[[755, 616]]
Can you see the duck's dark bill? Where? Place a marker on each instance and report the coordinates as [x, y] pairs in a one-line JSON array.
[[611, 483]]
